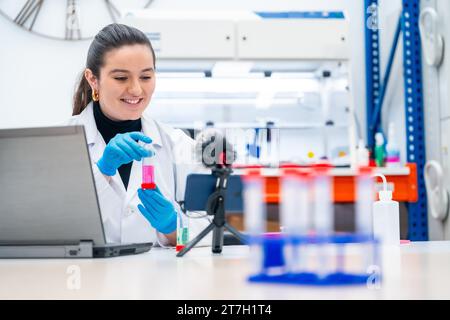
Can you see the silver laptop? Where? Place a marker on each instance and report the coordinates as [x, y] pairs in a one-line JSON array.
[[48, 201]]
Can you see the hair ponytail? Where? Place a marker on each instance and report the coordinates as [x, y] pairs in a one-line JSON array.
[[82, 96], [111, 37]]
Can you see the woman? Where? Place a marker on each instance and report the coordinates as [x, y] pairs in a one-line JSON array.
[[110, 100]]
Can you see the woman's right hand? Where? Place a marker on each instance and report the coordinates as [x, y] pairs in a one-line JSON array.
[[122, 149]]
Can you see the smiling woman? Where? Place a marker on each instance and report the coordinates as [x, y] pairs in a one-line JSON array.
[[126, 81], [115, 89], [120, 66]]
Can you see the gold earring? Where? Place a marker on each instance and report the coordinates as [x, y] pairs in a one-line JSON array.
[[94, 95]]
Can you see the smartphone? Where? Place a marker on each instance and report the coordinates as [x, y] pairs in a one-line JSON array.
[[200, 186]]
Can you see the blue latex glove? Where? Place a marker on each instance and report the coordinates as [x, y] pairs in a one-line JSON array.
[[157, 210], [122, 149]]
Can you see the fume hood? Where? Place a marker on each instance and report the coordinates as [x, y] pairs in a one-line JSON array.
[[256, 71]]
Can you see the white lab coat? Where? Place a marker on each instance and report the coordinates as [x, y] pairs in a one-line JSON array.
[[174, 160]]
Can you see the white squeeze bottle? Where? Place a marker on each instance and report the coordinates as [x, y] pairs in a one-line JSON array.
[[386, 217]]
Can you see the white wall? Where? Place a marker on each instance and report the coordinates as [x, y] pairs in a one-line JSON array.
[[38, 75]]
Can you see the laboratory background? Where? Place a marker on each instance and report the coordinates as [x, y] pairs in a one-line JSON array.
[[337, 114]]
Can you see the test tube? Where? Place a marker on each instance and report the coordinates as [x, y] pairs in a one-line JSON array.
[[323, 216], [148, 169], [303, 218], [304, 200], [254, 216], [364, 218], [182, 231], [364, 201], [295, 215], [288, 203], [290, 185], [323, 192]]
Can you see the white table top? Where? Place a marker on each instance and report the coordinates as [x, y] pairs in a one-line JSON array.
[[421, 270]]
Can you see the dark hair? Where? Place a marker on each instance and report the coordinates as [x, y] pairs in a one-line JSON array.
[[111, 37]]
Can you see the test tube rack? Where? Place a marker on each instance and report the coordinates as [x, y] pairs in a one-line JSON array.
[[275, 270]]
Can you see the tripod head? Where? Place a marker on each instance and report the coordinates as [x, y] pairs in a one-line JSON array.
[[213, 150]]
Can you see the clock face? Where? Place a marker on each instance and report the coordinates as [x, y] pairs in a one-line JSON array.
[[67, 19]]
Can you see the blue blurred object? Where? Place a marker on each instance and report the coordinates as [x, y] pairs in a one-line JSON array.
[[273, 252], [159, 211], [273, 249], [122, 149], [254, 149], [301, 15]]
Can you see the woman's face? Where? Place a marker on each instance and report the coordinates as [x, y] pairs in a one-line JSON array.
[[126, 82]]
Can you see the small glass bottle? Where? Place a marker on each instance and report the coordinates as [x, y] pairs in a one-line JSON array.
[[182, 231], [148, 169], [392, 149], [380, 152]]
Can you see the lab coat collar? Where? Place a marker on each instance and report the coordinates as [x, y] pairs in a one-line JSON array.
[[87, 118]]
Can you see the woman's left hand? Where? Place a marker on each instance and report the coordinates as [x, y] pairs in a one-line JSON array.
[[157, 210]]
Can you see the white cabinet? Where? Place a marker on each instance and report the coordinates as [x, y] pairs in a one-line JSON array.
[[306, 39]]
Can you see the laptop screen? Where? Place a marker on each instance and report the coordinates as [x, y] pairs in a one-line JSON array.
[[48, 192]]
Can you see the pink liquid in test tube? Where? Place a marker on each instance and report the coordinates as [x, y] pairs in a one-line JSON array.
[[148, 177], [148, 170]]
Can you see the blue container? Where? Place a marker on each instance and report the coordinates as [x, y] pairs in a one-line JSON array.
[[273, 248]]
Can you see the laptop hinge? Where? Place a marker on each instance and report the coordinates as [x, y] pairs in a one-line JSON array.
[[84, 249]]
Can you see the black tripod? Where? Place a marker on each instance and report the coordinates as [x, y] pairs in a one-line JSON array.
[[215, 206]]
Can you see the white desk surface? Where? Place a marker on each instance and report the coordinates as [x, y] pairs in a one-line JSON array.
[[421, 271]]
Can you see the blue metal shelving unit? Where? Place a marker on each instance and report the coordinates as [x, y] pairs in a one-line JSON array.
[[372, 63], [415, 136], [412, 74]]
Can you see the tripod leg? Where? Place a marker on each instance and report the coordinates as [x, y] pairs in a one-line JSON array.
[[217, 242], [194, 241], [236, 233]]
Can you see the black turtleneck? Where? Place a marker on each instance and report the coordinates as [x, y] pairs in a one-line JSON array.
[[109, 128]]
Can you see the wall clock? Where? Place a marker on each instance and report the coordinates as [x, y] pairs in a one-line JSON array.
[[67, 19]]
